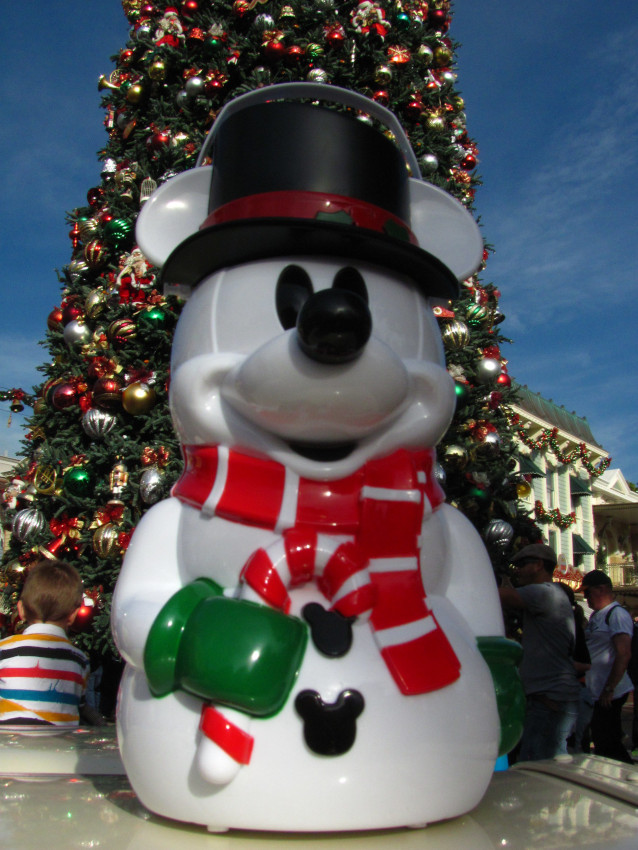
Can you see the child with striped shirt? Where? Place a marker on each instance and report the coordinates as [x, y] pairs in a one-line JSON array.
[[42, 675]]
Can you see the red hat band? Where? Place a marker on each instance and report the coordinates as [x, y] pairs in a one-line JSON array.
[[312, 206]]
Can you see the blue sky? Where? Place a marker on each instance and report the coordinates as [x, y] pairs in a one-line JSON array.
[[551, 94]]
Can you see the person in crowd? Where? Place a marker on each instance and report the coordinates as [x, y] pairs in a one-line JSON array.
[[547, 669], [43, 675], [609, 632]]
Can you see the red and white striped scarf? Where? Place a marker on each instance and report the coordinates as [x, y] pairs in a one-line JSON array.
[[357, 537]]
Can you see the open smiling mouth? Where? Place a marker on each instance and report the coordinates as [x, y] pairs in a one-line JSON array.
[[323, 452]]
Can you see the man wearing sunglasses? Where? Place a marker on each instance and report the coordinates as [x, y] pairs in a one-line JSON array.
[[547, 669]]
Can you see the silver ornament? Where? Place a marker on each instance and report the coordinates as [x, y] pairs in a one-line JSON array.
[[76, 333], [97, 423], [498, 533], [492, 443], [317, 75], [440, 475], [142, 32], [109, 167], [181, 98], [27, 524], [151, 485], [425, 55], [76, 269], [429, 163], [488, 370], [194, 86], [264, 22]]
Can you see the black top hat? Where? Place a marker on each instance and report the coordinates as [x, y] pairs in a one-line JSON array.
[[293, 178]]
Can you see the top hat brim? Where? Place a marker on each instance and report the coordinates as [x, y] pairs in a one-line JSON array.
[[248, 240]]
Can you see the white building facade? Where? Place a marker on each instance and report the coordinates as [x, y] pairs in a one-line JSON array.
[[587, 512]]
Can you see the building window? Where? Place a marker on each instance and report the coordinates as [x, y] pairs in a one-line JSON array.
[[551, 489]]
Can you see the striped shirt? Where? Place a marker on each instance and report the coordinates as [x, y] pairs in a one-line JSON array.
[[42, 677]]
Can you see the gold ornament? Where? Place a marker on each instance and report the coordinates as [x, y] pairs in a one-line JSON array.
[[135, 93], [94, 303], [523, 489], [442, 56], [456, 457], [157, 70], [456, 335], [87, 229], [106, 541], [383, 74], [44, 479], [138, 398]]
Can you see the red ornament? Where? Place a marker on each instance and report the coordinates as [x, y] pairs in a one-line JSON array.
[[274, 50], [381, 97], [157, 141], [195, 36], [469, 162], [71, 312], [107, 393], [74, 234], [495, 398], [492, 351], [94, 196], [95, 254], [214, 82], [63, 396], [335, 35], [504, 380], [84, 617], [121, 330], [189, 7], [294, 54], [439, 20], [101, 367], [54, 320], [398, 55], [414, 109], [241, 8]]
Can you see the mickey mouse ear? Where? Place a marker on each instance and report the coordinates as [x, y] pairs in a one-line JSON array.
[[172, 213], [445, 229]]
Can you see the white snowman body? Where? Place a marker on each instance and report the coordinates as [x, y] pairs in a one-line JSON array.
[[242, 383]]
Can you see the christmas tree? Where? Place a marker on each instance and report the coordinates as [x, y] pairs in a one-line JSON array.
[[101, 448]]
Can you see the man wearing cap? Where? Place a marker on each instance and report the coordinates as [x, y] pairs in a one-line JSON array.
[[547, 670], [608, 635]]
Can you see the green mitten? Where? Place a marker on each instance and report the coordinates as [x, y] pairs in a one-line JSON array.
[[503, 657], [229, 651]]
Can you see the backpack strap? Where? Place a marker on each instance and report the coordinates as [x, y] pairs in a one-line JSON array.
[[610, 612]]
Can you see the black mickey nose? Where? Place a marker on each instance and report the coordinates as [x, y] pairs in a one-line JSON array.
[[334, 325]]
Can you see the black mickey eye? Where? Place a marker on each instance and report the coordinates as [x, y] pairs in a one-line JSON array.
[[294, 287], [352, 280]]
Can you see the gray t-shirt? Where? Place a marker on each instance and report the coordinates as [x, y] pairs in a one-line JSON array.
[[548, 642], [599, 633]]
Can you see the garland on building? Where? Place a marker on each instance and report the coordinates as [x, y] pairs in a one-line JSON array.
[[554, 516], [547, 440]]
